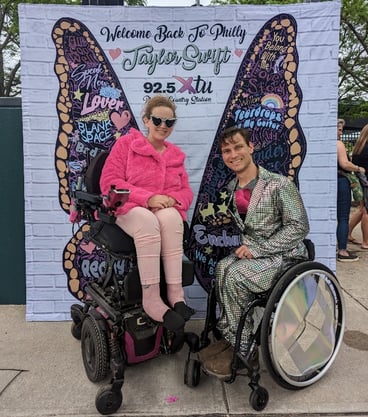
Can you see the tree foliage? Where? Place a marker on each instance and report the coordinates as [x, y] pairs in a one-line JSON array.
[[9, 49], [353, 53], [353, 59], [9, 41], [9, 44]]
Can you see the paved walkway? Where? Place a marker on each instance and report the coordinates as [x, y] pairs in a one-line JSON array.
[[42, 374]]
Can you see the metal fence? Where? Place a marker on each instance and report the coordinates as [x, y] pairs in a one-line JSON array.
[[349, 137]]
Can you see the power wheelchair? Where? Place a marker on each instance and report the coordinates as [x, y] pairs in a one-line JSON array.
[[111, 324], [298, 326]]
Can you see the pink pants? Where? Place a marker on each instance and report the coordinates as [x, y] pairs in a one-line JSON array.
[[158, 234]]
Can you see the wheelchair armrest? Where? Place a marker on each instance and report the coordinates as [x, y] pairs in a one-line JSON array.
[[88, 197], [115, 198], [89, 204]]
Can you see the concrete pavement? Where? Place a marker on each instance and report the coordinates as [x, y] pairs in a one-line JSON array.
[[42, 373]]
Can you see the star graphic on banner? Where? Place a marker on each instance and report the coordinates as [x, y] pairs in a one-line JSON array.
[[223, 195], [78, 94], [208, 250], [222, 208]]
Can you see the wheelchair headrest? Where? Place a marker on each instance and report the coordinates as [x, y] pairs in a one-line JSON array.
[[93, 173]]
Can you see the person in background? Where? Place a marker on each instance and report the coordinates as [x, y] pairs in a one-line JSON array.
[[360, 159], [343, 197], [269, 210], [160, 195]]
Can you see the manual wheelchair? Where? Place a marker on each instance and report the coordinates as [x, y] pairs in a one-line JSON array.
[[298, 326], [111, 324]]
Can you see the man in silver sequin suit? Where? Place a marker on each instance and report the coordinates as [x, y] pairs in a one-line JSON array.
[[269, 211]]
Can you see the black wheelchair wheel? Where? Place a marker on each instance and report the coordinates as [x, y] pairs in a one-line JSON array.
[[259, 398], [192, 340], [94, 350], [108, 401], [77, 319], [76, 330], [302, 326], [192, 373]]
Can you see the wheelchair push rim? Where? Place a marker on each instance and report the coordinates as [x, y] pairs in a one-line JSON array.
[[303, 325]]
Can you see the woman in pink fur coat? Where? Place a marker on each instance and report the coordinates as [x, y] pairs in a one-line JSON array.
[[153, 170]]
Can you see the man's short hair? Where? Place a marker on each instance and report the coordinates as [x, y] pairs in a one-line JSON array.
[[229, 133]]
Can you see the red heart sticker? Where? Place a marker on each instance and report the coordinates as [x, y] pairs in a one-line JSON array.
[[120, 120], [115, 53]]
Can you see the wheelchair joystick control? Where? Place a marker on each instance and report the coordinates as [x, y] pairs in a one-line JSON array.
[[116, 197]]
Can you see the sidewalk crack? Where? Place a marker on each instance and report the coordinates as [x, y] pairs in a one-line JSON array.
[[354, 298], [18, 372], [224, 397]]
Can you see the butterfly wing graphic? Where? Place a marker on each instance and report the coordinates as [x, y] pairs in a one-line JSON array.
[[93, 112], [265, 99]]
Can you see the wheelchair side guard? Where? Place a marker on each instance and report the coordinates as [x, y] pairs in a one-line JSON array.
[[303, 325], [99, 319], [310, 249]]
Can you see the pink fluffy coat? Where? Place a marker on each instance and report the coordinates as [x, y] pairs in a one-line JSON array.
[[134, 164]]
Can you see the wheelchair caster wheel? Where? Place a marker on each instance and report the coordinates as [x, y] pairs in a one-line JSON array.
[[76, 330], [259, 399], [77, 317], [192, 373], [107, 400], [192, 341]]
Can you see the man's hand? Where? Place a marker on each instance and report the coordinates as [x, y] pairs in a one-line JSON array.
[[243, 252]]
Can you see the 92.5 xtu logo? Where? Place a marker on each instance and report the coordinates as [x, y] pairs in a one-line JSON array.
[[191, 85]]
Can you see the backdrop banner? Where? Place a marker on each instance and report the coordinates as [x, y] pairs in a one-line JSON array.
[[86, 75]]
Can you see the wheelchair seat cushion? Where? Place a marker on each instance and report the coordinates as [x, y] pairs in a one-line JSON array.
[[111, 237]]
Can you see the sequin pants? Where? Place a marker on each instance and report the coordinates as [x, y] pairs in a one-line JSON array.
[[237, 281]]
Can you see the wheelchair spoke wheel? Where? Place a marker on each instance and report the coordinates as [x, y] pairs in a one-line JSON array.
[[94, 350], [303, 325], [108, 401]]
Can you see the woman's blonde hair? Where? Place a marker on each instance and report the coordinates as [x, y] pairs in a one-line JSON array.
[[361, 142], [158, 101]]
